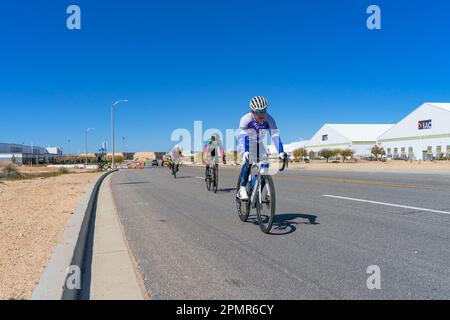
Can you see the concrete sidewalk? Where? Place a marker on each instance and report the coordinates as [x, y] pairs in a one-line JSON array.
[[113, 273]]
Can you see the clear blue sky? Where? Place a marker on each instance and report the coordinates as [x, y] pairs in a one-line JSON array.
[[179, 61]]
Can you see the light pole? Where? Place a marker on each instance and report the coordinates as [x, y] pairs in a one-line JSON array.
[[112, 127], [86, 157]]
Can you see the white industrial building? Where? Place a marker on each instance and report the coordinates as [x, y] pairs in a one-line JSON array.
[[358, 137], [22, 154], [422, 135]]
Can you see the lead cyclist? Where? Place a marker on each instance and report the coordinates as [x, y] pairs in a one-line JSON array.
[[252, 130]]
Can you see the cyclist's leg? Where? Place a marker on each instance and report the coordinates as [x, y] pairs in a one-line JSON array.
[[207, 170], [245, 173]]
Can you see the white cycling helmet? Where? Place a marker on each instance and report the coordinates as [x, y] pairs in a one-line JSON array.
[[259, 104], [215, 137]]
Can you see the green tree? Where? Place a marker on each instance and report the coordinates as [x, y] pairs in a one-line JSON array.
[[337, 152], [327, 153], [300, 153], [346, 154], [377, 151]]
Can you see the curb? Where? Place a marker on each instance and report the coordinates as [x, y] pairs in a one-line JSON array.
[[70, 252]]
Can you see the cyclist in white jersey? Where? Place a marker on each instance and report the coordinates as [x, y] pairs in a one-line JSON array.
[[252, 130]]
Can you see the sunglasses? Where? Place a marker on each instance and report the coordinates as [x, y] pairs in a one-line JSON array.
[[260, 112]]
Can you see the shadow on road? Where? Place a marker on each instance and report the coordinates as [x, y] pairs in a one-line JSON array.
[[131, 183], [226, 190], [285, 223]]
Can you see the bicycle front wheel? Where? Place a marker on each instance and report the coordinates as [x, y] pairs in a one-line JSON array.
[[208, 179], [243, 207], [216, 178], [266, 204]]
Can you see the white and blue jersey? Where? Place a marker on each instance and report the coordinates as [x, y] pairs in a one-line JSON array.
[[252, 134]]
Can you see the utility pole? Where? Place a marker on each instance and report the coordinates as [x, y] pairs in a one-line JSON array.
[[86, 157], [112, 128]]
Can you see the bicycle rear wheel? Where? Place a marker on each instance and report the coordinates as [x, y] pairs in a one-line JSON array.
[[266, 204], [243, 207]]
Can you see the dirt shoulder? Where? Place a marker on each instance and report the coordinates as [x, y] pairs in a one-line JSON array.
[[33, 216]]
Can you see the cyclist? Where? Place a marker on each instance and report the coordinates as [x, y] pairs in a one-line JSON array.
[[252, 131], [213, 149], [175, 155]]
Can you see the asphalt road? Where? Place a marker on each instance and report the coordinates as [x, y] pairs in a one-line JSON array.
[[190, 243]]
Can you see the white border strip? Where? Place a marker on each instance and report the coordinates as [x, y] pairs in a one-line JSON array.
[[386, 204]]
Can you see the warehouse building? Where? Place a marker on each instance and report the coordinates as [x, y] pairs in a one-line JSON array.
[[422, 135], [22, 154], [358, 137]]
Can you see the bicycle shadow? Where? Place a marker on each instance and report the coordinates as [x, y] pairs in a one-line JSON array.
[[226, 190], [286, 223]]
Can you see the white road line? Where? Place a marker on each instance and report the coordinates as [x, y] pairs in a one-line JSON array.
[[203, 178], [386, 204]]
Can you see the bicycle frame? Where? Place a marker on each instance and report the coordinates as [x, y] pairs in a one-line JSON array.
[[257, 185], [259, 165]]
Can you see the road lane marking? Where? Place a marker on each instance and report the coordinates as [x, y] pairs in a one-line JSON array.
[[386, 204], [387, 184]]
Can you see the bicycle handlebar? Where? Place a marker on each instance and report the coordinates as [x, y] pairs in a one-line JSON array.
[[285, 162]]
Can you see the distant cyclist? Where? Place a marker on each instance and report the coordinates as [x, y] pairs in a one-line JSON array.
[[252, 130], [175, 155], [213, 150]]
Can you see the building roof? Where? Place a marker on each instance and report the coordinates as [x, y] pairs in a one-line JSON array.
[[445, 106], [408, 126], [361, 132]]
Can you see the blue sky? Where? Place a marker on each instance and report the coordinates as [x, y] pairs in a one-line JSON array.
[[179, 61]]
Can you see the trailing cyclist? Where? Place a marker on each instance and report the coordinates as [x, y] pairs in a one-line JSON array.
[[212, 151], [175, 155], [252, 131]]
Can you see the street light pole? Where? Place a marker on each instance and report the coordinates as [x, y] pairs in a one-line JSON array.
[[112, 128]]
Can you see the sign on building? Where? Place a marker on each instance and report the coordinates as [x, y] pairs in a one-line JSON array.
[[424, 124]]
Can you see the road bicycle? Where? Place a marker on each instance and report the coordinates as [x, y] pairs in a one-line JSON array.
[[261, 191], [174, 169], [212, 176]]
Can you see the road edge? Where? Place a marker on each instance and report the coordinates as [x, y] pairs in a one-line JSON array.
[[70, 251], [134, 262], [110, 244]]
